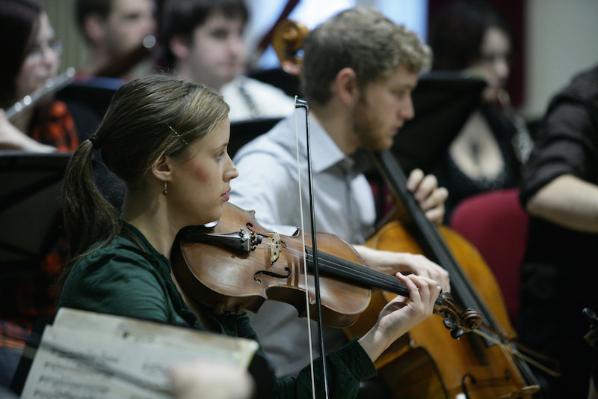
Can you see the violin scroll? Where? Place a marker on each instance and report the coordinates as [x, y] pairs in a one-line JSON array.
[[457, 320]]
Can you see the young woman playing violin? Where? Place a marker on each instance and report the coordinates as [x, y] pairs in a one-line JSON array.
[[167, 140]]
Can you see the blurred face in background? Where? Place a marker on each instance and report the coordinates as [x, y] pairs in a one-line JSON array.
[[128, 23], [493, 65], [42, 60], [215, 53]]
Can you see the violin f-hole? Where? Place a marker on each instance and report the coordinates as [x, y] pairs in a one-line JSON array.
[[272, 274]]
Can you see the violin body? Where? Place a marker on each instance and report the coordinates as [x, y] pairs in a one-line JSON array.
[[229, 279], [430, 364]]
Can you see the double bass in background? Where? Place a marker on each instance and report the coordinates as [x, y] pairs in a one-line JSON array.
[[426, 363]]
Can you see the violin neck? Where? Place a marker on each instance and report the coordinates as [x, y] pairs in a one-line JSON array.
[[356, 274]]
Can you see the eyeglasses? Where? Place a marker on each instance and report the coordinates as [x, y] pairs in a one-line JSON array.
[[37, 52]]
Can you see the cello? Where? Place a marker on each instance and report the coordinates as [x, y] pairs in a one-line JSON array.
[[425, 364]]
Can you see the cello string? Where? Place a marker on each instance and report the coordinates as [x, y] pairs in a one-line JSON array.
[[516, 352], [464, 290]]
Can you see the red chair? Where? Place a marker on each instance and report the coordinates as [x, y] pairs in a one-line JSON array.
[[497, 226]]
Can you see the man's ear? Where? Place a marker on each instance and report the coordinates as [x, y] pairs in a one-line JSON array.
[[93, 26], [162, 169], [346, 87], [179, 46]]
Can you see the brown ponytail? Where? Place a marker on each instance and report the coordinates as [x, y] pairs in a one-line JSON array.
[[88, 217], [136, 130]]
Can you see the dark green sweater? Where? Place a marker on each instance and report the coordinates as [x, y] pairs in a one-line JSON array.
[[128, 277]]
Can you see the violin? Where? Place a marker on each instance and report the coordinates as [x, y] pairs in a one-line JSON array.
[[237, 264]]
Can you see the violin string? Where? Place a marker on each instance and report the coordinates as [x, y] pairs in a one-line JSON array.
[[352, 271], [363, 273], [349, 269], [346, 269]]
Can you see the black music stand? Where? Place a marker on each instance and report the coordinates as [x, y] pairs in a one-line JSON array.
[[443, 101], [87, 100], [242, 132], [30, 201], [277, 77]]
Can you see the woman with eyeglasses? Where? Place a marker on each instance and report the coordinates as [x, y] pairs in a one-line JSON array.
[[31, 56]]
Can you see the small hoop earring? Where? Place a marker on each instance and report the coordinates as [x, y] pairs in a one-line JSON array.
[[165, 188]]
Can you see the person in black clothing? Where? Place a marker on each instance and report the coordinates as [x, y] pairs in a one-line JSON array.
[[487, 153], [560, 192]]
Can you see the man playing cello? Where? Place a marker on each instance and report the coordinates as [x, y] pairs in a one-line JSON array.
[[358, 74]]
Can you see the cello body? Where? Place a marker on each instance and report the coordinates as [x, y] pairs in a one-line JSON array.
[[428, 363]]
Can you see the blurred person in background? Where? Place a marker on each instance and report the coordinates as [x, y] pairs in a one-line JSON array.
[[560, 192], [203, 43], [31, 57], [119, 35], [470, 37]]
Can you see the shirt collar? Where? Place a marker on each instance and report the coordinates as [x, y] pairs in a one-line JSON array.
[[325, 152]]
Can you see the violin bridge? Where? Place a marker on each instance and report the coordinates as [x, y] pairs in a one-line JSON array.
[[274, 247]]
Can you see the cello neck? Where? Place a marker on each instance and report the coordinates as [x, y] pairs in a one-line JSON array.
[[428, 236]]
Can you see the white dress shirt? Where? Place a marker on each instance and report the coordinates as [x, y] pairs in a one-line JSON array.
[[268, 183]]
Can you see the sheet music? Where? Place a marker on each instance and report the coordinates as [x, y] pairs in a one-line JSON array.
[[236, 351], [94, 356]]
